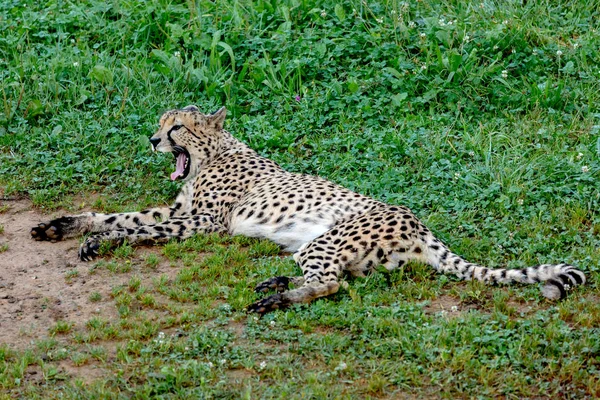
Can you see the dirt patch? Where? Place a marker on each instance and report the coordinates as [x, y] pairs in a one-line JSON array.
[[43, 282], [447, 305], [87, 373]]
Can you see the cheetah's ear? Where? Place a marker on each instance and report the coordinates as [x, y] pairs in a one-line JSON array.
[[190, 108], [216, 119]]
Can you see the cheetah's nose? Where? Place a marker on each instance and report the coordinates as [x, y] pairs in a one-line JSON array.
[[154, 142]]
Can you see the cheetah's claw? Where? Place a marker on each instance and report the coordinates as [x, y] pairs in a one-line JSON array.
[[89, 249], [268, 304], [278, 283]]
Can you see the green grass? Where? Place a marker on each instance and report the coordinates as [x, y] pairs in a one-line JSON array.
[[482, 117]]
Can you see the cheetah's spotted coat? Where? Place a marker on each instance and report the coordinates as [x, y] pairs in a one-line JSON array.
[[229, 188]]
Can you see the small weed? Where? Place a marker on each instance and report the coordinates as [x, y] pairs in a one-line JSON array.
[[134, 283], [71, 275], [116, 267], [147, 300], [151, 261], [263, 248], [123, 251], [3, 247], [95, 297], [61, 328], [96, 323], [98, 353], [123, 298], [79, 359], [47, 344], [1, 229]]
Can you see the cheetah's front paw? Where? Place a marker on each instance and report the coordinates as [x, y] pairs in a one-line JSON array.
[[271, 303], [89, 249], [54, 230], [278, 283]]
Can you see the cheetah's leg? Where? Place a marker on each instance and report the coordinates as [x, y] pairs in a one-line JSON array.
[[320, 279], [279, 283], [75, 225], [176, 227], [304, 294]]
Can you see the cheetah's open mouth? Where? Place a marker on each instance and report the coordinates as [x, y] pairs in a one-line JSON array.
[[182, 165]]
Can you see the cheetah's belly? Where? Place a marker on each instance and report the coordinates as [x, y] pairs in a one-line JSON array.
[[290, 235]]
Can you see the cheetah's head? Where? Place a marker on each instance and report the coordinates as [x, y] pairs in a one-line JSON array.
[[193, 138]]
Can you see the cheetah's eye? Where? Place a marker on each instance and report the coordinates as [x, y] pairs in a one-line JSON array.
[[175, 128]]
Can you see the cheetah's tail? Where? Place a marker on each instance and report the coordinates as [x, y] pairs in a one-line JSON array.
[[558, 278]]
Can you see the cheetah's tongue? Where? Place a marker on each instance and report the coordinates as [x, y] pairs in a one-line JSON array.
[[181, 159]]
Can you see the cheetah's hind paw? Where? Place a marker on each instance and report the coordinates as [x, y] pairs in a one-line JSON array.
[[268, 304]]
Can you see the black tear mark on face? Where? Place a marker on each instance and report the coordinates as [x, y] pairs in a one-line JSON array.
[[173, 129]]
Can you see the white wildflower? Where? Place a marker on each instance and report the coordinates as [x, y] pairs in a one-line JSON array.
[[411, 24], [210, 365], [393, 12], [423, 35], [579, 156], [272, 323], [585, 169], [72, 40], [505, 22], [472, 153], [575, 45], [558, 53], [520, 202], [323, 14], [504, 74], [495, 47], [456, 175], [76, 64], [342, 366], [535, 52], [442, 22], [177, 54], [454, 308], [379, 20], [263, 365], [467, 38], [222, 361], [449, 23], [423, 67]]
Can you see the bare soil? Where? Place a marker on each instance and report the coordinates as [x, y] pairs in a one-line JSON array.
[[35, 288]]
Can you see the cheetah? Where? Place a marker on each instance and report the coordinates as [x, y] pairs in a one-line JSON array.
[[229, 188]]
